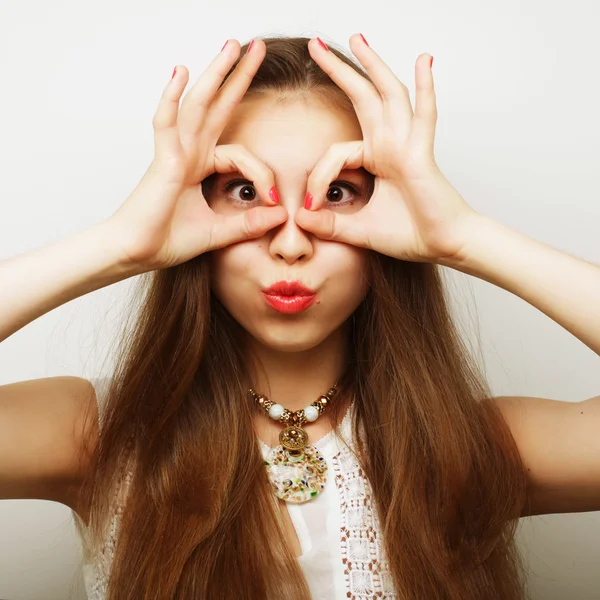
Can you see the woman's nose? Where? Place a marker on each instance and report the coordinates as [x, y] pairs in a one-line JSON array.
[[289, 241]]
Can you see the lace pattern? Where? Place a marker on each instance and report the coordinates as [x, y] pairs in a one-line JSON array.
[[366, 569]]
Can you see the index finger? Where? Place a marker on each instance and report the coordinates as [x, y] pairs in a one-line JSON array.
[[362, 93], [197, 101], [232, 91]]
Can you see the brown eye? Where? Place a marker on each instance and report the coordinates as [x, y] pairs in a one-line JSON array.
[[247, 192], [336, 195]]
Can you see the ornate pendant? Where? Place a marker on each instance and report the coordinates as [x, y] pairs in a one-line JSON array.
[[297, 470]]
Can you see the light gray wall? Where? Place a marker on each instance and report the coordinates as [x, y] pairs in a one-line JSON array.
[[517, 135]]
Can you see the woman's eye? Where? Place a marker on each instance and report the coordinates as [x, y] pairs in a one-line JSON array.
[[247, 192], [335, 196]]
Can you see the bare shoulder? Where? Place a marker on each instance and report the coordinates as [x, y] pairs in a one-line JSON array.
[[559, 443], [45, 426]]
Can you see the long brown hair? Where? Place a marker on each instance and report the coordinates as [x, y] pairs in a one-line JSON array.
[[200, 519]]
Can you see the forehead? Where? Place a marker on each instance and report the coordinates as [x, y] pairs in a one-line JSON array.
[[289, 134]]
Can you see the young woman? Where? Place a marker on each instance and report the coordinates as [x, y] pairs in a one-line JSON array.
[[293, 414]]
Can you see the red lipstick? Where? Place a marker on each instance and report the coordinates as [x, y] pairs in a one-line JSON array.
[[289, 297]]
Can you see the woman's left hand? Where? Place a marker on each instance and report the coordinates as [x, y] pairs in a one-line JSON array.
[[414, 213]]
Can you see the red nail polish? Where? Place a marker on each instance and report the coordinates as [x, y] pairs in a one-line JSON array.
[[363, 39], [250, 46], [308, 201], [431, 62], [322, 44], [274, 195], [174, 71], [225, 44]]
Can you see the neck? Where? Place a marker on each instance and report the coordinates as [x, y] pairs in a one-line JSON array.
[[297, 379]]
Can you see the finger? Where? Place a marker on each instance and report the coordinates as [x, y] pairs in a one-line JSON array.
[[233, 90], [229, 158], [425, 119], [362, 93], [249, 224], [329, 225], [339, 156], [164, 122], [384, 79], [197, 101]]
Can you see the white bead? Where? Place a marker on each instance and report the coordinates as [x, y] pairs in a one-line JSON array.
[[311, 413], [276, 411]]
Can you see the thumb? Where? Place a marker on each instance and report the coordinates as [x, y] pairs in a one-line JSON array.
[[246, 225], [335, 227], [321, 222]]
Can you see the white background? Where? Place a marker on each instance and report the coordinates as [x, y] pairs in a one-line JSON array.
[[518, 135]]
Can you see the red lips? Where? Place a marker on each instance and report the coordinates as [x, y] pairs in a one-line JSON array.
[[289, 288], [289, 297]]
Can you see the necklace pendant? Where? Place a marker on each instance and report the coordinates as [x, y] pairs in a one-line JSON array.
[[294, 439], [296, 477]]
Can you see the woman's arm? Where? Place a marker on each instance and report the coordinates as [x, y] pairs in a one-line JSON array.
[[564, 287], [559, 442], [36, 282]]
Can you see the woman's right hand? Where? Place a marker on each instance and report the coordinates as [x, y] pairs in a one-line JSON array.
[[166, 219]]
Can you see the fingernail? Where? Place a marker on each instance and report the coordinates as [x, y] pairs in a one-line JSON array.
[[322, 44], [174, 71], [250, 46], [274, 195], [363, 39], [431, 62], [225, 44], [308, 201]]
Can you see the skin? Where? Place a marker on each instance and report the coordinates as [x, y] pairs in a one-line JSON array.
[[290, 135]]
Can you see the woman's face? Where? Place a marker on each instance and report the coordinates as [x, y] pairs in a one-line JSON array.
[[290, 137]]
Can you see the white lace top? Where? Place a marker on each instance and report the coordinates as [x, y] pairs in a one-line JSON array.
[[342, 554]]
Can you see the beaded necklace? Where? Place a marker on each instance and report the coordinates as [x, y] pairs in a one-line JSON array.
[[296, 469]]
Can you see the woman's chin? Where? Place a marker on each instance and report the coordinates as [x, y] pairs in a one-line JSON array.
[[290, 339]]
